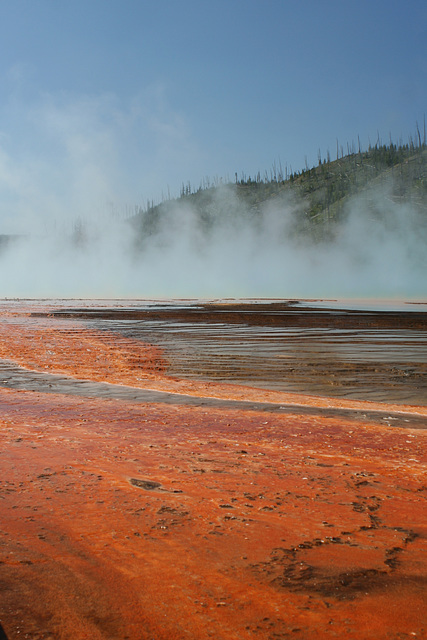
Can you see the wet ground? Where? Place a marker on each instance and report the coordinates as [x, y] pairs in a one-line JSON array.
[[373, 354], [142, 496]]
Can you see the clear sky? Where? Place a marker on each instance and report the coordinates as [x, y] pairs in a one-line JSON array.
[[117, 101]]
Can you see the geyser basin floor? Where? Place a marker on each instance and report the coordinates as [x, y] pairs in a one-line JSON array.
[[131, 520], [359, 353]]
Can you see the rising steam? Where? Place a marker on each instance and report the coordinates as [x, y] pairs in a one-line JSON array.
[[70, 243], [236, 256]]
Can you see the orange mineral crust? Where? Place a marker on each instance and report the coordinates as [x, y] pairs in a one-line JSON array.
[[74, 351], [138, 520], [130, 521]]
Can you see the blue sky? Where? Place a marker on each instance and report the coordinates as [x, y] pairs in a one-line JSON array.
[[111, 103]]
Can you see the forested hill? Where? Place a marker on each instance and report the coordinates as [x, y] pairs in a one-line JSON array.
[[318, 197]]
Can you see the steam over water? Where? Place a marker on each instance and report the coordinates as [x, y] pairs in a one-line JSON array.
[[70, 165], [235, 255]]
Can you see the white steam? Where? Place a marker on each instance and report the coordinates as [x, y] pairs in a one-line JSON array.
[[237, 256], [63, 158], [71, 160]]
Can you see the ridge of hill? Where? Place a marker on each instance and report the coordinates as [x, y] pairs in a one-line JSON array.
[[318, 196]]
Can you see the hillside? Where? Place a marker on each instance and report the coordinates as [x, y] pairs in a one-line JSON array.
[[318, 197]]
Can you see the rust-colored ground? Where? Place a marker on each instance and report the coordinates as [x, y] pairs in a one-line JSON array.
[[134, 521]]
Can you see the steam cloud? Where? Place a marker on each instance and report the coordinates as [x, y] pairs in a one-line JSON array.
[[238, 257], [55, 195]]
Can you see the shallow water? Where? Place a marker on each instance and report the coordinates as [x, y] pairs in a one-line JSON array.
[[362, 353], [15, 377]]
